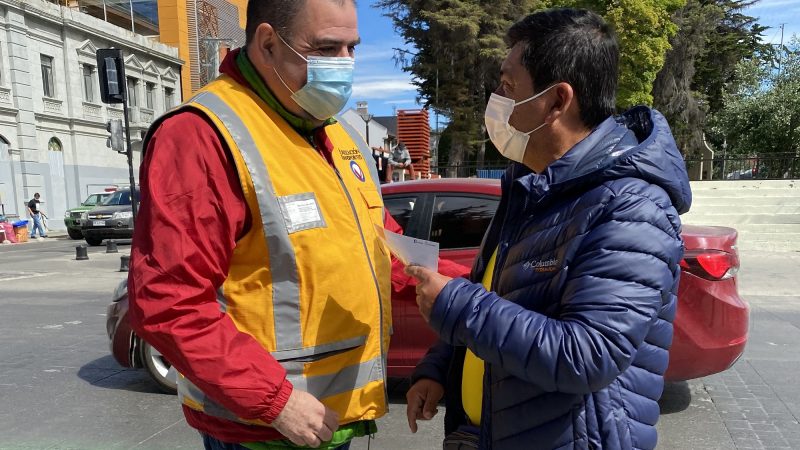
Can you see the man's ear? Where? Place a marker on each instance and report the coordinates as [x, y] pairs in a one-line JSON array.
[[264, 41], [561, 100]]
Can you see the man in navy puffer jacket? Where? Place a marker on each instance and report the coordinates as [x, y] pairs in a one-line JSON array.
[[572, 322]]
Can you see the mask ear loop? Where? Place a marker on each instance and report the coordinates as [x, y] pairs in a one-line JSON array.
[[296, 53], [532, 98], [283, 82], [536, 129], [292, 48]]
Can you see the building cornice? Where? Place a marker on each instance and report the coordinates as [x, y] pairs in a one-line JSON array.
[[61, 20]]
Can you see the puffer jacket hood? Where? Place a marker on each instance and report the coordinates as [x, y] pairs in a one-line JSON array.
[[636, 144]]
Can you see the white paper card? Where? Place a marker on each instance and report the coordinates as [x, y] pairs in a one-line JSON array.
[[302, 212], [411, 251]]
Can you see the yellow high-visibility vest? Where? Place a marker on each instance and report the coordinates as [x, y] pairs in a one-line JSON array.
[[310, 281]]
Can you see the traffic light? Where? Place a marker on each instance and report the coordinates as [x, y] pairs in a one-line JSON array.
[[116, 141], [111, 68]]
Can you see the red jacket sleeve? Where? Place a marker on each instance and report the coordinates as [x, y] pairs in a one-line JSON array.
[[192, 211]]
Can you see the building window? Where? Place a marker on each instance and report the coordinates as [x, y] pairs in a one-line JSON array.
[[151, 88], [48, 84], [54, 145], [88, 82], [133, 85], [169, 98]]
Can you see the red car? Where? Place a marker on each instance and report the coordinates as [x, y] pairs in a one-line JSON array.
[[710, 326], [711, 323]]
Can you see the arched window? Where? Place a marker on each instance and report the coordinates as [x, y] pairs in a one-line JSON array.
[[54, 145], [5, 148]]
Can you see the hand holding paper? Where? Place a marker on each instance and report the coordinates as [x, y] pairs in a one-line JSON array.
[[411, 251], [421, 258]]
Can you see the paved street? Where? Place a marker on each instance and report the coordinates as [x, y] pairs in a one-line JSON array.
[[60, 388]]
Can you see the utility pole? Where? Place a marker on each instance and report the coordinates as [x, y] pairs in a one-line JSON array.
[[780, 50]]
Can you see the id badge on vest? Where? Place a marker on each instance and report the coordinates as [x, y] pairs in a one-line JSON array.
[[301, 212]]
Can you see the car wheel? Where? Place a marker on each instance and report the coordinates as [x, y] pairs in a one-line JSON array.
[[94, 241], [159, 369], [74, 233]]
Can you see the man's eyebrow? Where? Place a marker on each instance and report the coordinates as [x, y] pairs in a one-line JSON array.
[[329, 42]]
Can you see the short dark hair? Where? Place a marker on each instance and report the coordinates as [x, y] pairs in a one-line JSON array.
[[575, 46], [278, 13], [36, 195]]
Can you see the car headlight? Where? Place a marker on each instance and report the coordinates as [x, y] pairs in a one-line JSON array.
[[66, 215], [84, 215], [122, 215]]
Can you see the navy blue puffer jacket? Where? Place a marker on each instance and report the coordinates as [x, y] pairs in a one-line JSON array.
[[576, 330]]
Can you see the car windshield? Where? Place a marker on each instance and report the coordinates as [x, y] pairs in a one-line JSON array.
[[96, 199], [119, 198]]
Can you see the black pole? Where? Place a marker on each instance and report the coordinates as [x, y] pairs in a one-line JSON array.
[[130, 152], [368, 134]]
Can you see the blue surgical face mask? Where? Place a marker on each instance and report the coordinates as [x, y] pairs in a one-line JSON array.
[[329, 85]]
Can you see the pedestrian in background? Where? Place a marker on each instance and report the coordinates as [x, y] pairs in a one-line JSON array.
[[561, 337], [400, 160], [258, 271], [37, 216]]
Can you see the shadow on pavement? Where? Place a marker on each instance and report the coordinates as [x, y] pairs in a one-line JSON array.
[[105, 372], [676, 397]]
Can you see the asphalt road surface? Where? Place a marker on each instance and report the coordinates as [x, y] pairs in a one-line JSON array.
[[61, 389]]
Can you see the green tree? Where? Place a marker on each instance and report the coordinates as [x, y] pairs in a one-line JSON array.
[[713, 37], [460, 43], [761, 112], [459, 47]]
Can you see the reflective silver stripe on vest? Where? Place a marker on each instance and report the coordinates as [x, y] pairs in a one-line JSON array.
[[282, 261], [223, 303], [187, 389], [363, 147], [345, 380]]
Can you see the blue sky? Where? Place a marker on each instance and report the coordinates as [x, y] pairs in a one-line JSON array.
[[773, 13], [385, 86]]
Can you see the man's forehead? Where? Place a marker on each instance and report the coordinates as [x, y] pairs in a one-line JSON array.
[[328, 18], [513, 61]]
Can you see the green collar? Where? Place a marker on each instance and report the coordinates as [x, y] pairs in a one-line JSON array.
[[304, 126]]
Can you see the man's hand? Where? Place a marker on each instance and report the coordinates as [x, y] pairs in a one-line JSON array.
[[305, 420], [429, 287], [422, 399]]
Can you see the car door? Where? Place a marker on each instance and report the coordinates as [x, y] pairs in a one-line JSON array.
[[407, 211], [457, 221]]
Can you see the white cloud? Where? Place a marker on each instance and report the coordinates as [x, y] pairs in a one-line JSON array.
[[367, 53], [774, 4], [382, 89], [408, 101]]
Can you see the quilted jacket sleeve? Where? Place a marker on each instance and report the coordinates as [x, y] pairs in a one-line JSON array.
[[623, 270]]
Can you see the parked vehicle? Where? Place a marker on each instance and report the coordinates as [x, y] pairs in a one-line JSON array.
[[710, 326], [73, 217], [131, 351], [113, 219]]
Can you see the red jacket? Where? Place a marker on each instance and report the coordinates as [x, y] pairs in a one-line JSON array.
[[192, 213]]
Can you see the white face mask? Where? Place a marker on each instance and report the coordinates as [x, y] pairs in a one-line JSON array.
[[509, 141]]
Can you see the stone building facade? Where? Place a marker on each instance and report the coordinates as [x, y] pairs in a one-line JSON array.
[[52, 123]]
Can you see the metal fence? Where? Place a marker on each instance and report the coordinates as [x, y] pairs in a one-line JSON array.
[[490, 170], [772, 166], [764, 167]]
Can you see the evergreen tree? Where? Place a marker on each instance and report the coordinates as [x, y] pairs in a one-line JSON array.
[[713, 37], [460, 44]]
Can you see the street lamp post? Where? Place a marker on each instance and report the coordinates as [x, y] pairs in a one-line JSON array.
[[366, 117]]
